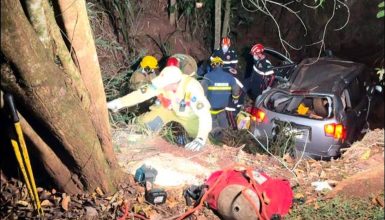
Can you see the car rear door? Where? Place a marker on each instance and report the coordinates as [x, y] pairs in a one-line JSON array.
[[356, 108]]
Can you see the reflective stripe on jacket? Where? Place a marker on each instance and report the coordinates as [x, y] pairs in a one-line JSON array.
[[220, 87]]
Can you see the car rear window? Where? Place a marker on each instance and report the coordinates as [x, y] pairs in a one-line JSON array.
[[314, 107]]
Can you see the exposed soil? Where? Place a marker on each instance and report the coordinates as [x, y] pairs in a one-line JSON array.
[[355, 174], [358, 173], [368, 183]]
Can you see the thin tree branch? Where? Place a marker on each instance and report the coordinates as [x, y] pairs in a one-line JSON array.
[[260, 5], [348, 16]]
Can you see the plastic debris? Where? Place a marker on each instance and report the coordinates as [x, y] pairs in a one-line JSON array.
[[321, 185]]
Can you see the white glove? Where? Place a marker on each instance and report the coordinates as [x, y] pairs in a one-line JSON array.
[[196, 145], [114, 105]]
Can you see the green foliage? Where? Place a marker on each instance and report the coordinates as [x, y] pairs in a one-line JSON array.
[[110, 45], [284, 141], [172, 130], [282, 144], [124, 16], [320, 3], [116, 86], [337, 208], [172, 8], [380, 13], [197, 19]]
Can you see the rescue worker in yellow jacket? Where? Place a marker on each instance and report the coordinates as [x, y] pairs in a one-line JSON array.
[[145, 73], [181, 99]]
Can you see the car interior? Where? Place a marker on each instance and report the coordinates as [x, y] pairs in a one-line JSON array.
[[315, 107]]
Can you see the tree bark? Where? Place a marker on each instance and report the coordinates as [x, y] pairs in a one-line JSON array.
[[38, 21], [62, 176], [173, 12], [64, 55], [218, 19], [78, 30], [226, 19], [44, 91], [56, 169]]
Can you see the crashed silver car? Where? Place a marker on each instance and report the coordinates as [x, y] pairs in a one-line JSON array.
[[323, 107]]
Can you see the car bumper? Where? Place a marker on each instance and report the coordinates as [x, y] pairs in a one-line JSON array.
[[320, 151]]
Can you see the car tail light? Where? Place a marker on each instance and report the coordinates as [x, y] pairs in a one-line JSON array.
[[257, 114], [335, 130]]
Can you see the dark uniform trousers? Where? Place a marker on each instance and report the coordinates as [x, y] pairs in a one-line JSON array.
[[220, 87]]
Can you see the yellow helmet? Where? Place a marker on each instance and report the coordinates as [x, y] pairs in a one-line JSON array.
[[149, 61], [216, 61]]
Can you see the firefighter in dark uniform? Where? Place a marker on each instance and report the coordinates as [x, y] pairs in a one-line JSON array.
[[228, 56], [263, 74], [219, 87]]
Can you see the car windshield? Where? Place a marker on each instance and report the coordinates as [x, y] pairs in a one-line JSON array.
[[308, 106]]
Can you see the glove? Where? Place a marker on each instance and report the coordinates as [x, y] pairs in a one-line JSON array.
[[196, 145], [114, 105]]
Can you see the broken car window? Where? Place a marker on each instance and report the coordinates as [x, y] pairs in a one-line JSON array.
[[315, 107]]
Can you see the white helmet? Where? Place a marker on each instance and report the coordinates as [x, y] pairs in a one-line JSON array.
[[169, 75]]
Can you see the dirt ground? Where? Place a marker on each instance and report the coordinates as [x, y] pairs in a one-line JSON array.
[[357, 174]]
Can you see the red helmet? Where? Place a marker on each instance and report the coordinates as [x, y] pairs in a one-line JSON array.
[[258, 48], [172, 61], [226, 41]]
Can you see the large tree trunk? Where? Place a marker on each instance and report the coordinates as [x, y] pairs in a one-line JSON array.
[[55, 168], [226, 19], [44, 91], [78, 29], [64, 56], [218, 25], [61, 175]]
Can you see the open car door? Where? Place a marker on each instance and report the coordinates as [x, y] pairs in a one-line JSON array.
[[283, 66]]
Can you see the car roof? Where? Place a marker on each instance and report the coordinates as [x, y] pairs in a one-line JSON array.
[[327, 75]]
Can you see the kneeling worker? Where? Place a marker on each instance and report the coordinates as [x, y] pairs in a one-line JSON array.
[[145, 73], [181, 99]]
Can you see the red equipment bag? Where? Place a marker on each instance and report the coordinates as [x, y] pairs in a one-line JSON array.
[[275, 195]]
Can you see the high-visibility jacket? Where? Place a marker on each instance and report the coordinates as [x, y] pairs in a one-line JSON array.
[[220, 87], [230, 58], [187, 101], [263, 67], [261, 78]]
